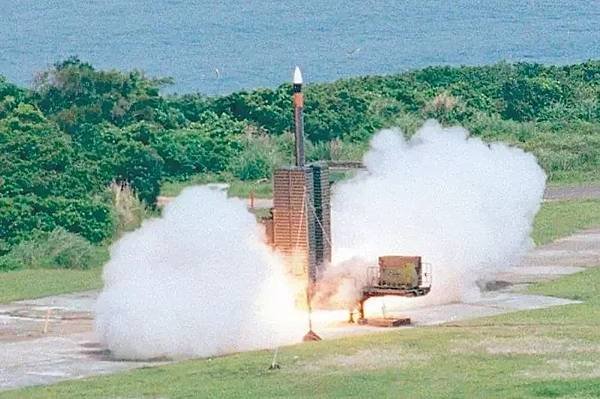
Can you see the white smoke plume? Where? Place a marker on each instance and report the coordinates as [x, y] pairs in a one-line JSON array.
[[465, 206], [199, 281], [196, 282]]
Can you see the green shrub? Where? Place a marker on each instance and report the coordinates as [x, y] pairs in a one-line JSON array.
[[130, 210], [283, 148], [63, 142], [92, 218], [528, 98], [445, 108], [252, 165], [141, 167], [260, 155], [408, 123], [348, 151], [58, 249], [8, 263], [336, 150], [319, 151]]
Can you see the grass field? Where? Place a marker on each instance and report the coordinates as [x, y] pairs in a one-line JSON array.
[[574, 178], [561, 218], [237, 188], [552, 353], [35, 283]]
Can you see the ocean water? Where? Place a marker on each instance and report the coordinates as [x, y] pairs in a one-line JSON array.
[[257, 43]]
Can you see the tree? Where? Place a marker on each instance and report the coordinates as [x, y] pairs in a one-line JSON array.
[[73, 93], [526, 98], [42, 188]]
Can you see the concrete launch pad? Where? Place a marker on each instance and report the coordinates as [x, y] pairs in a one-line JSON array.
[[385, 322], [69, 349]]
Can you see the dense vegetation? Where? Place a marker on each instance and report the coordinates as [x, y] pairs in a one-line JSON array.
[[79, 131]]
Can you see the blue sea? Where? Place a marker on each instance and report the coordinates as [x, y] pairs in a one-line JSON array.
[[217, 47]]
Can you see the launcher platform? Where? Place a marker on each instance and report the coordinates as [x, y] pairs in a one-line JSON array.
[[405, 276]]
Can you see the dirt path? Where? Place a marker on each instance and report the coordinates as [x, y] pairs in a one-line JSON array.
[[51, 339], [46, 340], [589, 191]]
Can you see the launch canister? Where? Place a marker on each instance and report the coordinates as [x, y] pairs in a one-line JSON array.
[[299, 117]]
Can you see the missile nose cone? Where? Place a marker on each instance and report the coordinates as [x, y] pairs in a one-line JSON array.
[[297, 76]]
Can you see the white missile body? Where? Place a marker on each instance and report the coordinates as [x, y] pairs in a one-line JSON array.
[[297, 76]]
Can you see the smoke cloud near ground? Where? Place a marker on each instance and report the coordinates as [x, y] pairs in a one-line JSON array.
[[199, 281], [196, 282], [465, 206]]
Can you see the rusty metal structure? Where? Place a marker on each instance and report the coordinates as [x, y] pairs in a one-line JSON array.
[[293, 223], [321, 206]]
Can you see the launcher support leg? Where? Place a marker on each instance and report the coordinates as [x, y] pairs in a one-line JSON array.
[[361, 310], [310, 335]]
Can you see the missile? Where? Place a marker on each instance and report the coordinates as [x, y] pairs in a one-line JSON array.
[[298, 117]]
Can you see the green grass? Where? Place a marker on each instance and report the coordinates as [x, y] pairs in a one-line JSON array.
[[237, 188], [36, 283], [242, 189], [173, 188], [574, 178], [548, 353], [575, 181], [576, 286], [561, 218]]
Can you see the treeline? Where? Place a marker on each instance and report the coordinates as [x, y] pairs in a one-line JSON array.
[[79, 130]]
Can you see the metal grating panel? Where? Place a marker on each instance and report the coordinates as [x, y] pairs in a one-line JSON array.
[[293, 223], [322, 209]]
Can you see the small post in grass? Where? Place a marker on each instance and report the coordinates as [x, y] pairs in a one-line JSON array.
[[48, 311]]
